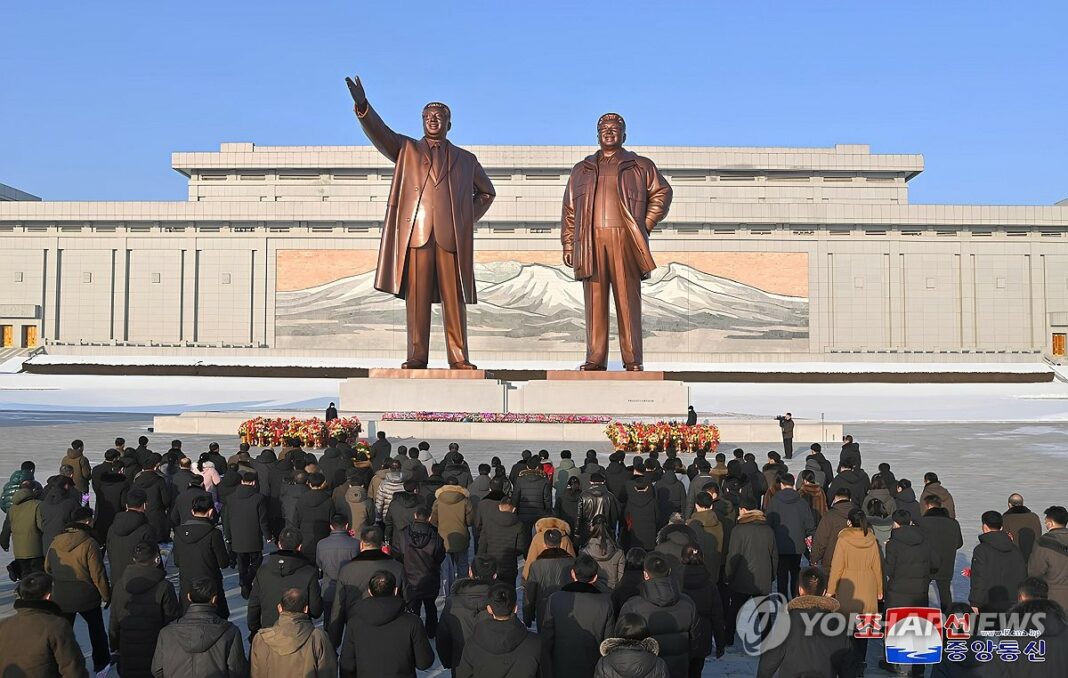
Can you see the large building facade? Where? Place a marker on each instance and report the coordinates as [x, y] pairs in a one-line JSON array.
[[767, 254]]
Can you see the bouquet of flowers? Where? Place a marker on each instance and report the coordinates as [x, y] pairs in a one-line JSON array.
[[495, 418], [313, 432], [646, 437]]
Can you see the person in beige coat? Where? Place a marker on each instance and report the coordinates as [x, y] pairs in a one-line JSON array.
[[537, 542], [76, 460], [293, 647], [857, 573], [37, 640], [453, 514]]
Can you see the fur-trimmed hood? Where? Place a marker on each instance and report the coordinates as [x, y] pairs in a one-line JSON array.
[[550, 523], [820, 603], [456, 489], [609, 645]]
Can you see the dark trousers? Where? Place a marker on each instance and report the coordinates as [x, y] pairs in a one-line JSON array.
[[945, 595], [860, 654], [789, 569], [430, 605], [788, 447], [247, 565], [737, 600], [25, 566], [433, 271], [98, 636]]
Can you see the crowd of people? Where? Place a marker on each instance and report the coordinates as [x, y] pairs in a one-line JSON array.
[[636, 568]]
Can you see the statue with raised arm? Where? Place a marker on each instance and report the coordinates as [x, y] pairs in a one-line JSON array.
[[426, 255], [612, 202]]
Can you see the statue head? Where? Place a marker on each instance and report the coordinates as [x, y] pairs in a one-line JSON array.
[[437, 120], [611, 131]]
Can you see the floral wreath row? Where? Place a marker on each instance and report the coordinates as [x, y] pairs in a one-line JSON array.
[[495, 418], [313, 432], [645, 437]]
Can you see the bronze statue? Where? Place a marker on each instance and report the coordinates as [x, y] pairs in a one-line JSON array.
[[426, 255], [613, 200]]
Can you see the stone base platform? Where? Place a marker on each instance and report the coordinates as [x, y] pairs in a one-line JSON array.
[[421, 390]]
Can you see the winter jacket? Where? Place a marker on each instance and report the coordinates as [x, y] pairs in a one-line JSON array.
[[791, 519], [574, 622], [906, 501], [672, 620], [671, 542], [392, 483], [1024, 526], [461, 472], [352, 587], [547, 575], [478, 489], [813, 463], [331, 555], [245, 520], [199, 551], [77, 568], [13, 485], [629, 586], [453, 514], [463, 609], [942, 493], [184, 479], [670, 496], [383, 640], [616, 477], [293, 647], [704, 593], [697, 485], [641, 519], [56, 510], [802, 655], [854, 481], [82, 472], [566, 507], [421, 550], [110, 491], [38, 642], [883, 495], [596, 501], [313, 519], [359, 508], [182, 510], [281, 571], [998, 568], [200, 644], [708, 530], [1049, 560], [380, 452], [1052, 633], [158, 507], [910, 564], [506, 539], [815, 497], [826, 536], [944, 534], [401, 513], [586, 475], [500, 649], [623, 658], [564, 471], [333, 466], [288, 500], [532, 496], [611, 561], [856, 578], [537, 542], [23, 526], [143, 603], [752, 557]]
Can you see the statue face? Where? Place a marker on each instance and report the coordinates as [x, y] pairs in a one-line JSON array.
[[611, 134], [436, 123]]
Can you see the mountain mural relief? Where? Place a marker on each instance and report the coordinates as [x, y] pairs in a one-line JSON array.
[[525, 307]]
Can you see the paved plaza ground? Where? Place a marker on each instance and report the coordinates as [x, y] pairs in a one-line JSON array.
[[980, 463]]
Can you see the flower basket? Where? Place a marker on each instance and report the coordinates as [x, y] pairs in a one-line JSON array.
[[646, 437], [313, 432]]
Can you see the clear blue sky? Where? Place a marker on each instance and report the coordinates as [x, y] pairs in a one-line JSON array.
[[95, 96]]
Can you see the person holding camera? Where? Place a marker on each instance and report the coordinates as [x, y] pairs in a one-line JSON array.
[[786, 423]]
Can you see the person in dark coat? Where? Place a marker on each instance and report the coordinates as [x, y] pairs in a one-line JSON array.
[[293, 488], [200, 643], [129, 529], [183, 502], [421, 551], [332, 465], [704, 593], [576, 619], [616, 475], [185, 477], [630, 584], [998, 567], [158, 494], [60, 502], [567, 501], [1049, 559], [200, 552], [630, 653], [803, 654], [943, 532], [488, 504], [456, 467], [246, 530], [905, 498], [910, 564], [641, 516], [691, 416], [850, 454], [143, 602], [110, 488], [401, 511], [380, 451], [382, 638], [792, 520], [834, 521], [464, 607], [353, 577], [505, 539], [532, 495], [331, 412], [853, 480], [111, 464], [36, 640], [595, 501], [500, 647], [548, 573], [332, 554], [313, 513], [670, 492], [672, 616], [1022, 524], [285, 569], [751, 564]]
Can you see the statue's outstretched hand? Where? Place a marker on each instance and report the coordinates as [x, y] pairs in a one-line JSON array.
[[356, 90], [568, 259]]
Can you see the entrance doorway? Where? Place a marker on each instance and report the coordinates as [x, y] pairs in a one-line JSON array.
[[7, 336], [29, 336], [1059, 343]]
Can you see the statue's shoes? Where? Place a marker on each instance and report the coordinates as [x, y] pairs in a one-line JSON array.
[[592, 367], [412, 365], [463, 366], [634, 367]]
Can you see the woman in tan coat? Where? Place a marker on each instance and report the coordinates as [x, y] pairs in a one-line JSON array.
[[857, 572]]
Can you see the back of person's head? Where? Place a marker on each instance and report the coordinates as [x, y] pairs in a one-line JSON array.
[[704, 500], [875, 507], [691, 555], [857, 519], [1057, 515], [338, 522], [573, 482], [202, 590], [30, 466], [543, 454], [884, 467], [34, 586], [299, 478], [316, 480], [437, 468], [703, 466], [738, 453], [597, 479], [289, 539], [110, 455], [142, 441], [933, 500], [411, 486], [421, 513], [721, 458], [843, 493], [635, 558], [248, 478], [656, 566], [846, 465], [185, 462], [82, 514], [424, 446], [294, 601], [1033, 587], [812, 581], [382, 583], [496, 484], [1016, 499], [66, 471], [902, 517], [993, 520], [153, 460], [815, 448], [565, 454], [808, 476], [533, 463], [786, 479], [930, 477], [631, 626], [202, 503], [452, 479], [146, 553], [402, 452], [381, 435], [413, 453], [749, 456], [371, 537], [524, 455], [484, 568], [585, 568], [553, 538], [501, 600], [904, 484], [877, 482], [505, 505], [136, 498]]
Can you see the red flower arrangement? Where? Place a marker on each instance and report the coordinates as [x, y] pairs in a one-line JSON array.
[[268, 432], [644, 437]]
